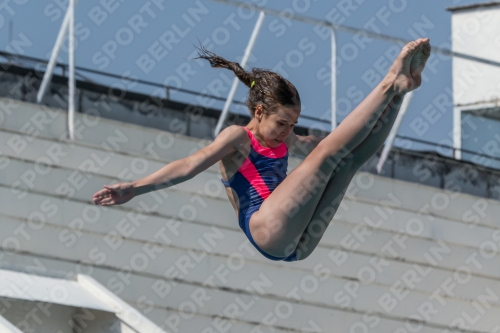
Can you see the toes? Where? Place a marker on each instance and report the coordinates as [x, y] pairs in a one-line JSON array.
[[423, 41], [427, 49], [424, 45], [411, 48]]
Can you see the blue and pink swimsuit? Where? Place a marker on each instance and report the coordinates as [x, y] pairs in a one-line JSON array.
[[261, 172]]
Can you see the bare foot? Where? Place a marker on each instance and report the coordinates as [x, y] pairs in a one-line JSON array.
[[418, 62], [420, 58], [406, 69]]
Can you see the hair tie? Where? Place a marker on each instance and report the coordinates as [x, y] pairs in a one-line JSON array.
[[253, 84]]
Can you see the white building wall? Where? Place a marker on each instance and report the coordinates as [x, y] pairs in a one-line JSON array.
[[475, 32], [395, 251]]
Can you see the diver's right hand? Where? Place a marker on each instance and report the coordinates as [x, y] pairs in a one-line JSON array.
[[116, 194]]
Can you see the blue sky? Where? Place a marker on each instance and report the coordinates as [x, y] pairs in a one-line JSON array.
[[153, 40]]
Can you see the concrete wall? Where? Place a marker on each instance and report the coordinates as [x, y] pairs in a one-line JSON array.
[[398, 256], [475, 33]]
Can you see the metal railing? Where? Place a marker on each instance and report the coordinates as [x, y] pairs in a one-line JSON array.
[[370, 34], [64, 68], [68, 23], [28, 59]]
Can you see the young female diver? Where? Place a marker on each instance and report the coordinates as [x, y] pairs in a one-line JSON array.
[[284, 217]]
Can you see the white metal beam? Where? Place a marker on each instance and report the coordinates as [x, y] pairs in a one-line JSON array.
[[232, 92], [53, 57], [394, 131], [126, 313], [457, 133], [7, 327], [71, 76], [334, 79], [344, 28]]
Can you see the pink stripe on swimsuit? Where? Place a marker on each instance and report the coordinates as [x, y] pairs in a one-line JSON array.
[[261, 172]]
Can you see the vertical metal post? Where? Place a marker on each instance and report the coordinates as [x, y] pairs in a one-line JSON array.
[[394, 131], [334, 80], [457, 133], [71, 76], [53, 58], [232, 92]]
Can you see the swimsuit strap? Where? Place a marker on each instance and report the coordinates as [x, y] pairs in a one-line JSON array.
[[277, 152]]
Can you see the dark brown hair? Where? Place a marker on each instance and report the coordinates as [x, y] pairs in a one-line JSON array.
[[269, 88]]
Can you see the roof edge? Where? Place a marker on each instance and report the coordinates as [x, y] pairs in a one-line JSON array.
[[478, 5]]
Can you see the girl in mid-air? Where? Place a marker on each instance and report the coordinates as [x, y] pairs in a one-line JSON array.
[[284, 217]]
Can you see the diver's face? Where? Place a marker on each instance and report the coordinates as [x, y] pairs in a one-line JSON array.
[[276, 127]]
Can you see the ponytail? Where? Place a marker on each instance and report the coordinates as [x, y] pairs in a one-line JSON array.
[[267, 88], [219, 62]]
